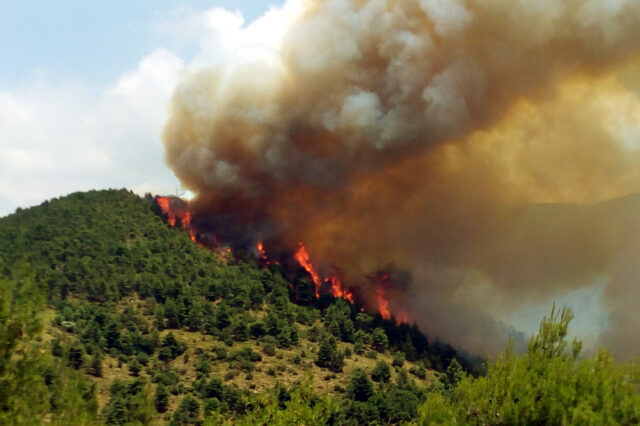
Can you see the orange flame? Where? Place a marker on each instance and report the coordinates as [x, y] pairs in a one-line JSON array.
[[383, 303], [305, 261], [186, 224], [381, 292], [173, 216], [261, 250], [339, 290], [165, 206], [185, 219]]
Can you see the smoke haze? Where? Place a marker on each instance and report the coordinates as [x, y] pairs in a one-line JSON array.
[[490, 148]]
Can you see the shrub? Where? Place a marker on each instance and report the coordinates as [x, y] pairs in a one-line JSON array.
[[170, 348], [142, 358], [329, 356], [161, 398], [219, 351], [95, 367], [269, 349], [547, 385], [418, 371], [188, 412], [379, 339], [134, 367], [360, 387], [76, 355], [212, 389], [211, 405], [230, 374], [398, 359], [381, 372]]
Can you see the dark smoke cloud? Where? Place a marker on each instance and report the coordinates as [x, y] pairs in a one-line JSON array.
[[472, 143]]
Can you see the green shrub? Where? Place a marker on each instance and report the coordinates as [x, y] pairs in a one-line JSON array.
[[381, 372], [142, 358], [329, 356], [418, 371], [219, 352], [134, 367], [161, 398], [188, 412], [398, 359], [170, 348], [549, 384], [360, 387], [269, 349]]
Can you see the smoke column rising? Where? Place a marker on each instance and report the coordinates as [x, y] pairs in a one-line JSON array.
[[475, 144]]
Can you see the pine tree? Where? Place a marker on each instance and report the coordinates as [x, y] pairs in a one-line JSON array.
[[381, 372], [188, 412], [76, 355], [360, 387], [379, 339], [95, 366], [161, 399], [452, 376], [398, 359], [172, 314], [329, 356]]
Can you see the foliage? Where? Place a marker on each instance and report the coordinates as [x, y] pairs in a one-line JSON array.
[[379, 339], [329, 356], [381, 372], [389, 404], [546, 385], [398, 359], [161, 398], [130, 403], [117, 277], [452, 376], [301, 405], [360, 387], [187, 413], [170, 348], [33, 385]]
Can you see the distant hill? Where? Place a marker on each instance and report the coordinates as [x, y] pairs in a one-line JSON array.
[[165, 330]]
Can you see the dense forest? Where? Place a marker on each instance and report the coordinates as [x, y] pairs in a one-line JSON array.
[[110, 316]]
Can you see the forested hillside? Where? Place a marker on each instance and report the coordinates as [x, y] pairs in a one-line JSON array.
[[111, 316], [166, 329]]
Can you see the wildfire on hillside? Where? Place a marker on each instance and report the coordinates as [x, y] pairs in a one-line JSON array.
[[176, 213], [383, 303], [435, 136], [337, 288], [303, 259]]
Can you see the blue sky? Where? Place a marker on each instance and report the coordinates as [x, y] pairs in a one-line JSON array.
[[84, 88], [90, 41]]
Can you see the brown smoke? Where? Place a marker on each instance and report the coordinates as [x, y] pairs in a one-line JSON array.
[[473, 143]]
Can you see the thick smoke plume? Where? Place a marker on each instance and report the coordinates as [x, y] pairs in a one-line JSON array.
[[476, 144]]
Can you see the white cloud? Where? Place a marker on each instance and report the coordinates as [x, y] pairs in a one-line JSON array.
[[224, 37], [57, 138]]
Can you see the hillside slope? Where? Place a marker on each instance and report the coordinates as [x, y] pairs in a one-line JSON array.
[[167, 330]]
